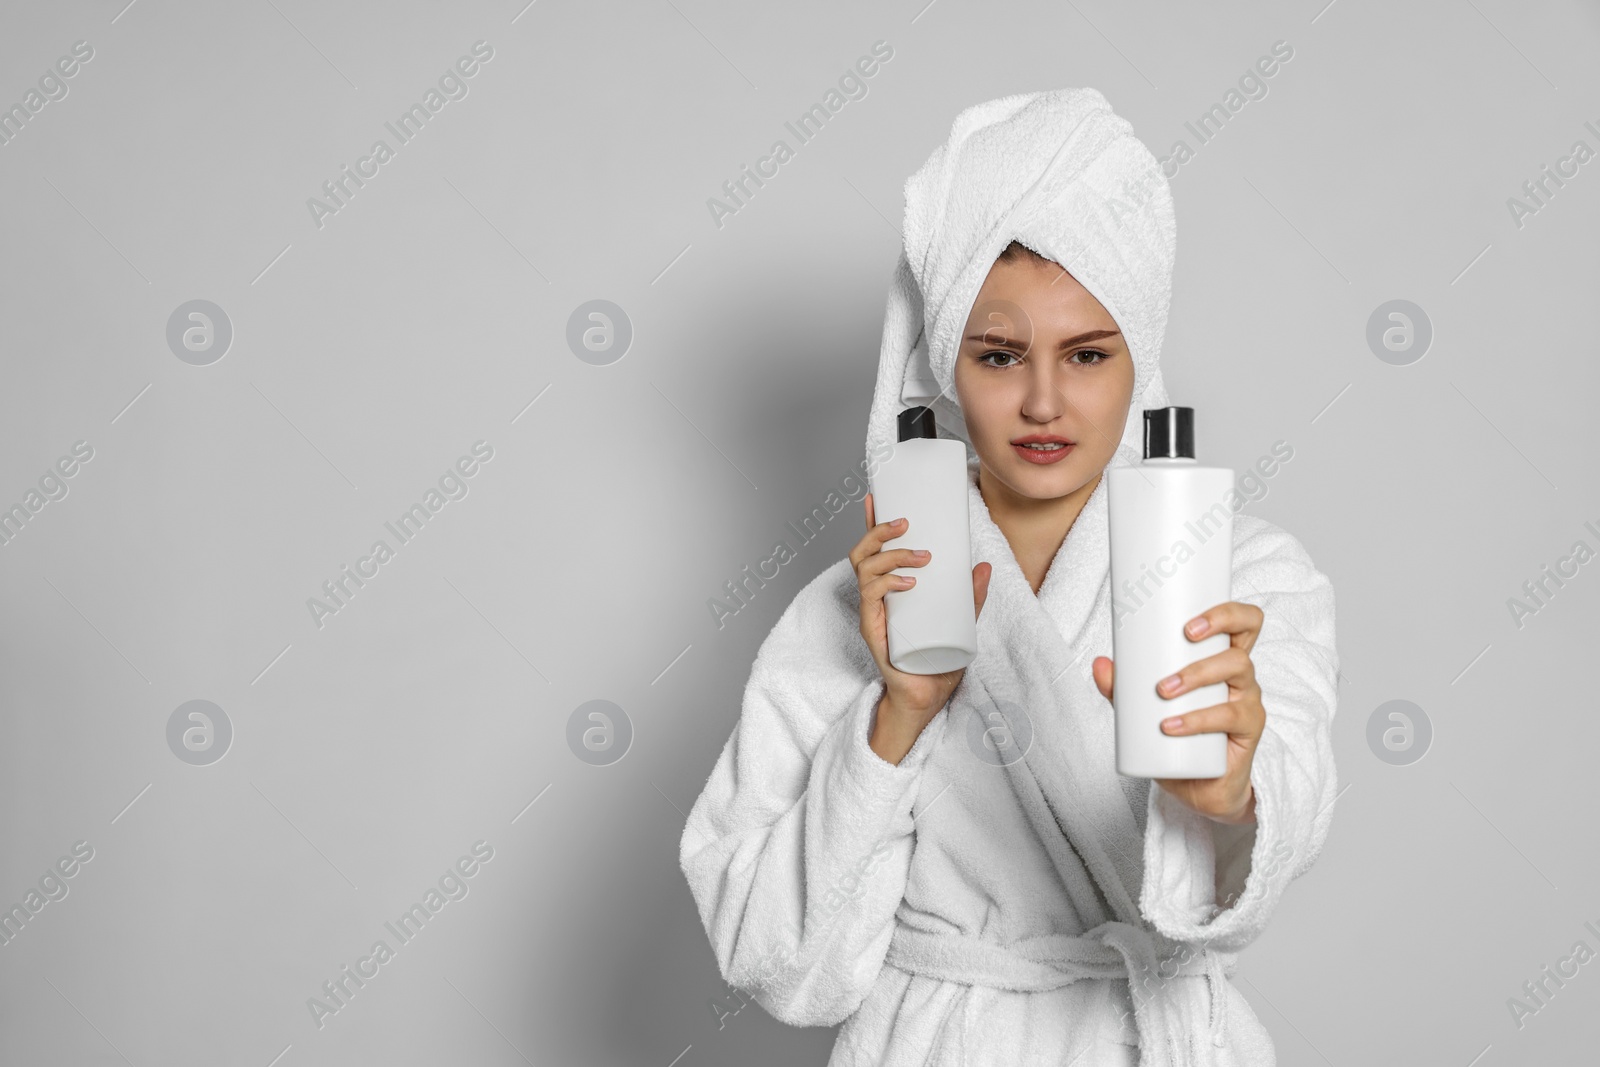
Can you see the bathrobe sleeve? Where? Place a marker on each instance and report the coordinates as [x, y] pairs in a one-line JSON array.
[[1217, 883], [798, 848]]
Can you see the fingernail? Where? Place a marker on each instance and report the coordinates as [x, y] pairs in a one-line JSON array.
[[920, 553], [1173, 725], [1197, 627], [1169, 684]]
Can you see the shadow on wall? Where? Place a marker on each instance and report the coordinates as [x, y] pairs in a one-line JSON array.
[[799, 395], [795, 426]]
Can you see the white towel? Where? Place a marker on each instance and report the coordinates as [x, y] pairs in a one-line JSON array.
[[1062, 174], [948, 910]]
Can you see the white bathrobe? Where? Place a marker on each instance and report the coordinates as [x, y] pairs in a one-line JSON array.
[[952, 911]]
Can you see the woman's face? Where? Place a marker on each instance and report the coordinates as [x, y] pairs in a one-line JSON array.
[[1041, 358]]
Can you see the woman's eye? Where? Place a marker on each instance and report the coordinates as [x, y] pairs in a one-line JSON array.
[[1097, 357]]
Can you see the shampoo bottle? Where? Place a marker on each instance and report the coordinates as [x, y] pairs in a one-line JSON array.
[[932, 625], [1171, 559]]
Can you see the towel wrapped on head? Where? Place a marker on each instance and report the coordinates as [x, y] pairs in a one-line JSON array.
[[1062, 174]]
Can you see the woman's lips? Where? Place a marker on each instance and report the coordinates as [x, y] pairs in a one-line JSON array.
[[1043, 455]]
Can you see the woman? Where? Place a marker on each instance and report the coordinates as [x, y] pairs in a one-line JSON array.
[[857, 855]]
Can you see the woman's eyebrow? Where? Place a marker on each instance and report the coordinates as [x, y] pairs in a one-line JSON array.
[[1020, 346]]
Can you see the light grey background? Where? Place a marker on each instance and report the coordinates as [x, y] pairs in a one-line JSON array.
[[429, 313]]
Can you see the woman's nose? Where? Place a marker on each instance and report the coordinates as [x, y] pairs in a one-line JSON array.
[[1045, 400]]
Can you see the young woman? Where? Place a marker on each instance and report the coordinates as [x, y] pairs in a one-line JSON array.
[[855, 856]]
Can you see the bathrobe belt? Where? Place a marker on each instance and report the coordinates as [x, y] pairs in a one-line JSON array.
[[1111, 950]]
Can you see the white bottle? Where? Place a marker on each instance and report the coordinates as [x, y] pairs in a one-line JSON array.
[[932, 625], [1171, 559]]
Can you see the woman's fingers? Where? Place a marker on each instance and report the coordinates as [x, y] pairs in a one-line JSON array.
[[1241, 715], [1241, 620], [1231, 665], [875, 537], [1105, 672], [880, 563], [874, 566], [1236, 717], [884, 584], [870, 559]]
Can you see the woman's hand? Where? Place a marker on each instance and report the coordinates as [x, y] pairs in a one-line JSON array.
[[910, 701], [1230, 798]]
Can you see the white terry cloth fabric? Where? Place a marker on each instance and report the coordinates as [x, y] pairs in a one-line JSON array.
[[949, 910]]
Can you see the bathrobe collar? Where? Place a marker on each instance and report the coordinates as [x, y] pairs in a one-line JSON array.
[[1034, 654]]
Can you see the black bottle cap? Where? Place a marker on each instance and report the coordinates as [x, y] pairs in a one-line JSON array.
[[1169, 433], [917, 422]]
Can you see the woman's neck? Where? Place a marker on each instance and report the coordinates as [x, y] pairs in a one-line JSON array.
[[1035, 529]]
